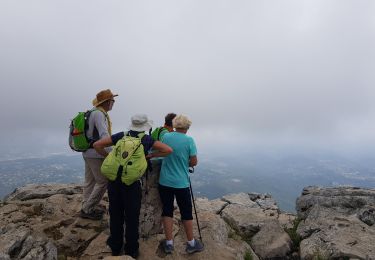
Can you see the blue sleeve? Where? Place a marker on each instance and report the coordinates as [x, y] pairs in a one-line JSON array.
[[147, 142], [116, 137], [192, 147]]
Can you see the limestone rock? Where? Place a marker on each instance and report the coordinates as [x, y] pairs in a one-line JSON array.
[[240, 199], [271, 241], [337, 223], [256, 218], [247, 221], [214, 206], [41, 191], [18, 243], [151, 207], [42, 222]]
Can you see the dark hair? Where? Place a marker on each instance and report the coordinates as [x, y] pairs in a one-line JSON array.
[[169, 118]]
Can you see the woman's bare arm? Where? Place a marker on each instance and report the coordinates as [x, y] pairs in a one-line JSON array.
[[162, 150], [101, 144], [193, 161]]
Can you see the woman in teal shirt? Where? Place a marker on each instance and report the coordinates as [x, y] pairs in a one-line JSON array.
[[174, 183]]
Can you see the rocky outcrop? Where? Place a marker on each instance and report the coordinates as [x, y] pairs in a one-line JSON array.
[[42, 222], [337, 223], [256, 218], [151, 207]]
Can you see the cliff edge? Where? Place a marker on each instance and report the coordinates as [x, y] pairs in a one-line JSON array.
[[42, 222]]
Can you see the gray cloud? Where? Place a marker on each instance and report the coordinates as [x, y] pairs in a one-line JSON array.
[[276, 70]]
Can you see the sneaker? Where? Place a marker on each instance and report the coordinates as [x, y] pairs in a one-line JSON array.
[[168, 249], [198, 247], [93, 215]]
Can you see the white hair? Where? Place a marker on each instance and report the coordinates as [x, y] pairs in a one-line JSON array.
[[181, 121]]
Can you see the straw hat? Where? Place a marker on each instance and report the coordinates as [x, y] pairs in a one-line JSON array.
[[140, 123], [103, 96]]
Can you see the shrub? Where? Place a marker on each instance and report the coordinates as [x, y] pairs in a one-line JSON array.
[[248, 256], [294, 236]]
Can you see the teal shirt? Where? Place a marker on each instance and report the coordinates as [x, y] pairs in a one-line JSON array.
[[162, 133], [175, 167]]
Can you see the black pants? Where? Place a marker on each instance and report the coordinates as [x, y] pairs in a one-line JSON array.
[[124, 206], [183, 198]]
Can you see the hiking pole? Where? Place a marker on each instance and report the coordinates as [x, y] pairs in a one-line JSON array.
[[191, 170]]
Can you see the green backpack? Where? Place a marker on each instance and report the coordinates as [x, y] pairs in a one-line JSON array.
[[78, 139], [156, 133], [128, 155]]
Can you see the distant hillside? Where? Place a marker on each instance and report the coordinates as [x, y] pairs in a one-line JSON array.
[[281, 176]]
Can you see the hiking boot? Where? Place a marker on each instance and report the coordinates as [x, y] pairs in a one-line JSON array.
[[115, 252], [168, 249], [134, 254], [198, 247], [93, 215]]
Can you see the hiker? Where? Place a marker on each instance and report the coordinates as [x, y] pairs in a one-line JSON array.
[[99, 126], [158, 133], [125, 200], [174, 183]]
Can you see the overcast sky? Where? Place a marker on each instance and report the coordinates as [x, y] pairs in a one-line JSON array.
[[262, 72]]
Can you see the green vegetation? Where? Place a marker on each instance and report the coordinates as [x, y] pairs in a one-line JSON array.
[[61, 257], [233, 235], [248, 256], [294, 236], [247, 238]]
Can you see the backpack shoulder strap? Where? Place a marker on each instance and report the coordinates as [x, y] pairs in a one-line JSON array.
[[106, 117], [95, 133], [141, 135], [161, 129]]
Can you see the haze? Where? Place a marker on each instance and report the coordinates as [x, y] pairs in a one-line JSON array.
[[259, 74]]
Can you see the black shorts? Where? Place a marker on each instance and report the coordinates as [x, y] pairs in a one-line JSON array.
[[183, 198]]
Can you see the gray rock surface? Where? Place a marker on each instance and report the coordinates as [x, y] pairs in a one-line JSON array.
[[337, 223], [256, 218], [151, 207], [242, 199], [214, 206], [42, 222], [271, 241]]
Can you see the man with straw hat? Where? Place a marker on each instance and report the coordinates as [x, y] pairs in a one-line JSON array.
[[95, 183]]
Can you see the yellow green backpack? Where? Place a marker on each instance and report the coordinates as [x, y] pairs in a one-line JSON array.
[[128, 156]]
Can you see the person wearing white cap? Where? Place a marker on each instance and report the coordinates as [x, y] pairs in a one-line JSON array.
[[95, 183], [125, 200]]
